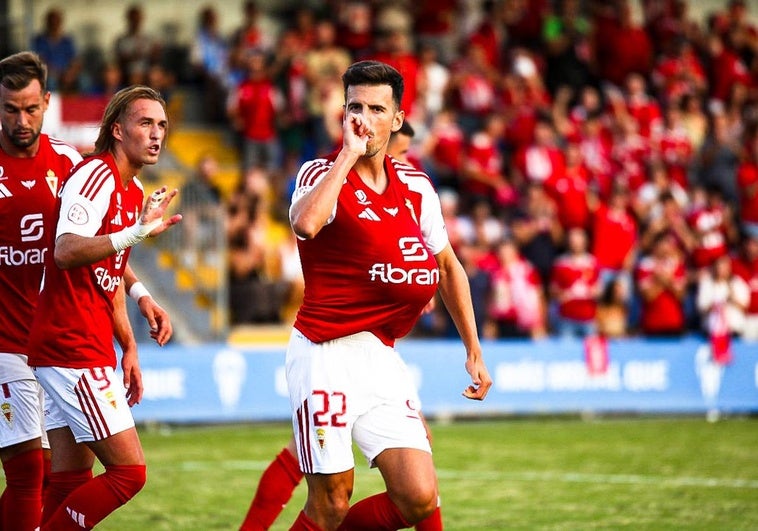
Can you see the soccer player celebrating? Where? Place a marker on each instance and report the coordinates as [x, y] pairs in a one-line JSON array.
[[283, 474], [31, 167], [100, 217], [374, 250]]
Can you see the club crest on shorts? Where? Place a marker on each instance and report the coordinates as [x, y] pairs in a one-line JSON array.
[[111, 399], [321, 437], [7, 412]]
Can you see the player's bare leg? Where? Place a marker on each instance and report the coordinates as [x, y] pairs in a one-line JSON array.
[[411, 492], [328, 501]]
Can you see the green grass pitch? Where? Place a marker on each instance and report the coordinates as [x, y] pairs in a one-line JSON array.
[[640, 473]]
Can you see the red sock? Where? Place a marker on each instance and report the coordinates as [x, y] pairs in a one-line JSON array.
[[433, 522], [22, 499], [92, 502], [375, 513], [303, 523], [274, 491], [59, 486], [48, 464]]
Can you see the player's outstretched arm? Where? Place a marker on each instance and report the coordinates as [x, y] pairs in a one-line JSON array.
[[455, 293]]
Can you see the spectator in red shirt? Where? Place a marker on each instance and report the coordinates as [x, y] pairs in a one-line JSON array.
[[597, 153], [252, 111], [394, 49], [630, 153], [490, 34], [444, 149], [647, 201], [524, 20], [483, 172], [622, 46], [661, 281], [747, 188], [675, 148], [614, 236], [542, 160], [516, 307], [645, 109], [575, 287], [569, 190], [739, 33], [524, 99], [713, 226], [355, 26], [679, 73], [746, 266], [726, 69], [436, 26], [471, 88]]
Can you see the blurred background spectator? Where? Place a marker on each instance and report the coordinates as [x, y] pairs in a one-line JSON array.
[[58, 50]]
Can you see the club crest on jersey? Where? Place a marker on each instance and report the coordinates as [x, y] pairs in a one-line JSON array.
[[52, 182], [391, 211], [28, 184], [362, 197], [7, 410]]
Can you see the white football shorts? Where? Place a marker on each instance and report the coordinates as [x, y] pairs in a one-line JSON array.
[[21, 406], [352, 388], [91, 402]]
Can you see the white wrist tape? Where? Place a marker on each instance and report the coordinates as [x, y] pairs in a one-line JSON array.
[[132, 235], [138, 290]]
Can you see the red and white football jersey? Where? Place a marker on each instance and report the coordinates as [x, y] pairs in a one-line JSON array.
[[708, 224], [614, 236], [576, 278], [73, 326], [372, 267], [28, 191], [664, 312]]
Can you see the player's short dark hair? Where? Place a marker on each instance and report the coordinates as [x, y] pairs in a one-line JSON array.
[[406, 129], [19, 69], [375, 73], [116, 110]]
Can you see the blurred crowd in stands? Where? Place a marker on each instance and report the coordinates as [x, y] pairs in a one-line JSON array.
[[597, 160]]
